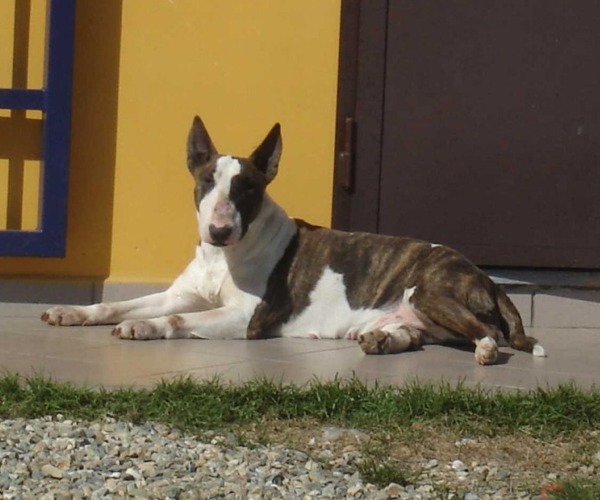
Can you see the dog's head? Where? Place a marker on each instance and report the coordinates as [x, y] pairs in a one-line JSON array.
[[229, 190]]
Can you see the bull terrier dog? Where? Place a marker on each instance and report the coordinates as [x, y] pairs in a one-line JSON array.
[[258, 273]]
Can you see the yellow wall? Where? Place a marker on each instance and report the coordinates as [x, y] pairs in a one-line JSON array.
[[143, 69]]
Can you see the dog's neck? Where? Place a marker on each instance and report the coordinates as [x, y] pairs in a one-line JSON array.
[[269, 233]]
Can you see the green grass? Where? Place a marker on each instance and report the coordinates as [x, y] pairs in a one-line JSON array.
[[578, 489], [214, 405]]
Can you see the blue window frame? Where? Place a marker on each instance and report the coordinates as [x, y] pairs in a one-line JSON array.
[[54, 100]]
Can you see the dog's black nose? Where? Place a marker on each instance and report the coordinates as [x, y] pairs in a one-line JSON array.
[[220, 234]]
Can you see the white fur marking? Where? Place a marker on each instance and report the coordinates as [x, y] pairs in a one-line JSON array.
[[393, 327], [227, 168], [400, 339], [408, 293], [486, 352], [216, 208], [435, 245], [329, 314], [486, 341]]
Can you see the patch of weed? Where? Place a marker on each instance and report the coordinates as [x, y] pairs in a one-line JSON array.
[[378, 467], [577, 489]]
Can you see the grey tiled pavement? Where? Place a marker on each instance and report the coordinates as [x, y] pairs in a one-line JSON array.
[[91, 356]]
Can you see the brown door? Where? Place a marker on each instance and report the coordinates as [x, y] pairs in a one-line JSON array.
[[477, 125]]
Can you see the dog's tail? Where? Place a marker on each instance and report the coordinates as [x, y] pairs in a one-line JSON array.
[[514, 331]]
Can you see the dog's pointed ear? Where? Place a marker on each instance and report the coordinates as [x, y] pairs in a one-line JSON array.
[[266, 156], [200, 148]]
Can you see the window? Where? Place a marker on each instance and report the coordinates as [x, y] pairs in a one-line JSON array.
[[18, 121]]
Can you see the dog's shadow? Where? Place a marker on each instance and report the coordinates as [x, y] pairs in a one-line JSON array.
[[503, 357]]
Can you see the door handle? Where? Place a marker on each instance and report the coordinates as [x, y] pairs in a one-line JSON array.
[[346, 160]]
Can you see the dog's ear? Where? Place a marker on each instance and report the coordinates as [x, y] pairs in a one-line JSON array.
[[200, 148], [266, 156]]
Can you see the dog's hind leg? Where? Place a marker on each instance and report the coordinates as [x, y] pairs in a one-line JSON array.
[[516, 334], [390, 339], [456, 318]]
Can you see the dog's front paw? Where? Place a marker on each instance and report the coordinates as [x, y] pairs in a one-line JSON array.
[[137, 330], [65, 316]]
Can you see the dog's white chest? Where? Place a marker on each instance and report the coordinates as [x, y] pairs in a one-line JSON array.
[[210, 277], [207, 274]]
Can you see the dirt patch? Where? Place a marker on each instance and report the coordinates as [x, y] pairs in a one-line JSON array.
[[520, 461]]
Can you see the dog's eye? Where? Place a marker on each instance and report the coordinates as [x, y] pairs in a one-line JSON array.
[[208, 178]]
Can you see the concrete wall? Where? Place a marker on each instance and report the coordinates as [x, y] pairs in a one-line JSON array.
[[143, 68]]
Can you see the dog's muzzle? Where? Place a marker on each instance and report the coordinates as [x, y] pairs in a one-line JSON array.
[[219, 235]]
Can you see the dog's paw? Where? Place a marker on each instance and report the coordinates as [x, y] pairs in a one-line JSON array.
[[65, 316], [486, 352], [391, 339], [374, 342], [137, 330]]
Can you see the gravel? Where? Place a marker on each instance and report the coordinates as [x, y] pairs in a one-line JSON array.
[[56, 458]]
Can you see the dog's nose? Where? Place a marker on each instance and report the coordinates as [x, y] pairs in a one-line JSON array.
[[219, 234]]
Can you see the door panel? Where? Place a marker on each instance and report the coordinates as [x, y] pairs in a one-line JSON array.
[[360, 99], [490, 139]]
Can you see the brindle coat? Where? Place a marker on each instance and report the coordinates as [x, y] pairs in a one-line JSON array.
[[449, 289]]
